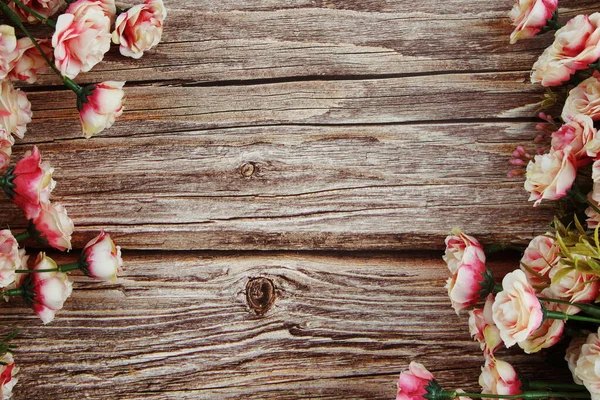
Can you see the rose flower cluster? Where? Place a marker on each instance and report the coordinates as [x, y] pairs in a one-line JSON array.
[[82, 32], [557, 282]]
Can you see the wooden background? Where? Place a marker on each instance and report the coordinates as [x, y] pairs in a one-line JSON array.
[[315, 150]]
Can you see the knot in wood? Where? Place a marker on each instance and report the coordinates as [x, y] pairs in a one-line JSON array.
[[247, 169], [260, 294]]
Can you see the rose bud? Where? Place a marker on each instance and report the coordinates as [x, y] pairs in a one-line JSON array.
[[517, 312], [483, 329], [530, 17], [99, 106], [412, 384], [53, 226], [471, 282], [15, 109], [140, 28], [101, 259], [456, 244], [81, 38], [499, 377], [29, 183], [45, 8], [10, 258], [46, 292], [8, 47], [8, 372], [540, 256], [587, 365]]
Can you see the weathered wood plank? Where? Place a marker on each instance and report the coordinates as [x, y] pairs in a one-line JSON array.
[[178, 325], [296, 187]]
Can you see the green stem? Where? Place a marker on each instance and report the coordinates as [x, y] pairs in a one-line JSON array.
[[12, 292], [43, 19], [15, 19], [565, 317], [524, 395], [19, 237], [586, 308], [61, 268]]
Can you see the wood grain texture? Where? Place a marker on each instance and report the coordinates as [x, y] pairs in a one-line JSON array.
[[178, 326]]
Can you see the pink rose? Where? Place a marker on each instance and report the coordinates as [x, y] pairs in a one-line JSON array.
[[54, 226], [578, 134], [15, 109], [572, 355], [499, 377], [576, 46], [29, 61], [101, 259], [466, 285], [550, 176], [6, 143], [10, 259], [517, 312], [49, 289], [547, 335], [588, 365], [140, 28], [30, 183], [483, 329], [108, 7], [102, 107], [539, 257], [530, 16], [455, 249], [584, 99], [412, 384], [8, 47], [81, 38], [575, 286], [8, 372], [45, 8]]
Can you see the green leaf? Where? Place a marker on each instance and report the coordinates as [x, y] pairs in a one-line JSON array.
[[561, 274]]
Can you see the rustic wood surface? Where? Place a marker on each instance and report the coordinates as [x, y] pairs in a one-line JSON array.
[[303, 148]]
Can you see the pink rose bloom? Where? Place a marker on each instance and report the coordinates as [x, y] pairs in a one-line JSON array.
[[572, 355], [45, 8], [32, 183], [8, 372], [81, 39], [483, 329], [6, 143], [517, 312], [584, 99], [539, 257], [412, 384], [50, 289], [108, 7], [464, 287], [530, 16], [8, 47], [15, 109], [102, 108], [547, 335], [10, 259], [576, 46], [455, 249], [499, 377], [550, 176], [140, 28], [29, 61], [54, 226], [101, 259], [575, 286], [588, 365], [579, 135]]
